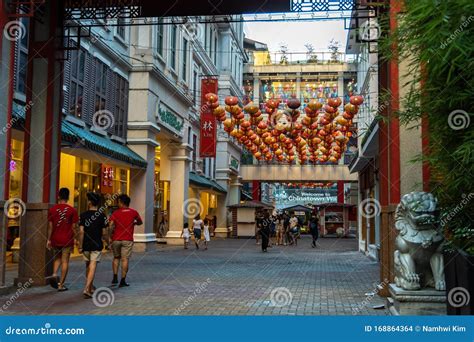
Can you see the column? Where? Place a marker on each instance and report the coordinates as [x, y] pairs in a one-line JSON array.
[[298, 86], [234, 190], [142, 194], [179, 184], [42, 143], [340, 89], [256, 88]]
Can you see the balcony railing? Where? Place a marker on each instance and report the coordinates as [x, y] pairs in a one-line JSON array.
[[298, 58]]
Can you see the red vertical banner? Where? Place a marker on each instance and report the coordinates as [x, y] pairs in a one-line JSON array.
[[207, 146]]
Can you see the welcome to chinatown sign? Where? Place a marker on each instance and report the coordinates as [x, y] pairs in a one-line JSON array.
[[296, 196]]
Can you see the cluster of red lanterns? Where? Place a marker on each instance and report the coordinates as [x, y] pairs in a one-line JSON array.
[[320, 135]]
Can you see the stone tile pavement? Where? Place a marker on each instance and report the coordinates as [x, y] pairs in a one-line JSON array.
[[233, 277]]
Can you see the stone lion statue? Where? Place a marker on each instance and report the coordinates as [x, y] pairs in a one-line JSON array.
[[418, 257]]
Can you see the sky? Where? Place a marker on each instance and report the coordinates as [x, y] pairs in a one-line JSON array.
[[296, 34]]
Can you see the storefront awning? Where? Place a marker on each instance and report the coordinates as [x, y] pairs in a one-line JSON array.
[[94, 142], [101, 144], [204, 182]]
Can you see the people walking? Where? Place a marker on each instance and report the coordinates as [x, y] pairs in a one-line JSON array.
[[314, 228], [62, 230], [265, 229], [207, 236], [279, 230], [92, 229], [293, 229], [197, 229], [185, 235], [122, 225]]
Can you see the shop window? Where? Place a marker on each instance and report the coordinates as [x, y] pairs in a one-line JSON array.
[[86, 179], [184, 71], [195, 85], [21, 62], [159, 36], [174, 33], [100, 85], [121, 106], [194, 151], [121, 27], [16, 169], [120, 182]]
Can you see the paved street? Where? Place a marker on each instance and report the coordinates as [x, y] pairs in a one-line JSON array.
[[233, 277]]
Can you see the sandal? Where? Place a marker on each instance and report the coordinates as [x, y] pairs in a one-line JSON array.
[[87, 295], [62, 288]]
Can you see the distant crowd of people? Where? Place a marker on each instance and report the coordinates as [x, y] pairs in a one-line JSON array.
[[283, 229], [90, 230]]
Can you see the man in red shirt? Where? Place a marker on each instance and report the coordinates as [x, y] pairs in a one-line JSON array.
[[62, 227], [122, 224]]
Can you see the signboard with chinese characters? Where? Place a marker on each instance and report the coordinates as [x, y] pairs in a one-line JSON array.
[[207, 146], [106, 179]]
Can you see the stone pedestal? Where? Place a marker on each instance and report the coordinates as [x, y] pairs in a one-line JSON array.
[[426, 302], [35, 260]]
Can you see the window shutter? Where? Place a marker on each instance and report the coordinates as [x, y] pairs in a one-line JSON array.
[[66, 78], [125, 110], [88, 109], [110, 97]]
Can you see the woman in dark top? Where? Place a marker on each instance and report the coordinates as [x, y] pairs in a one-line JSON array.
[[314, 228], [265, 230]]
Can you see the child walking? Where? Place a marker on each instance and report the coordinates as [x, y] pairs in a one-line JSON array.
[[185, 235], [207, 236]]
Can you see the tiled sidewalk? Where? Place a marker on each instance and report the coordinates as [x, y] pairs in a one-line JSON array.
[[233, 277]]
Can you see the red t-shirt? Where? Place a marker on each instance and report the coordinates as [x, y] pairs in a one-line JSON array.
[[62, 216], [125, 220]]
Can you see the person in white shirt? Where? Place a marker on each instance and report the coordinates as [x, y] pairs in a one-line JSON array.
[[207, 235], [197, 229], [293, 229], [185, 235]]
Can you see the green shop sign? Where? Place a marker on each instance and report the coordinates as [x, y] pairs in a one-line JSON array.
[[234, 163], [171, 120]]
